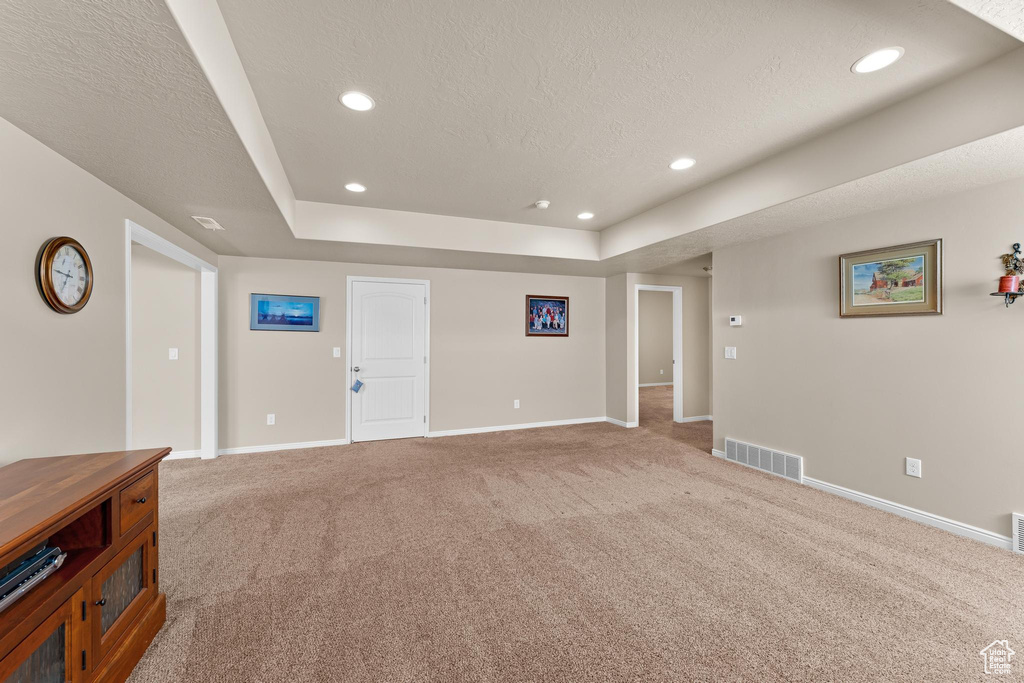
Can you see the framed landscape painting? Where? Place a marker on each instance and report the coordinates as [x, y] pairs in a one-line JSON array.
[[547, 316], [284, 313], [901, 280]]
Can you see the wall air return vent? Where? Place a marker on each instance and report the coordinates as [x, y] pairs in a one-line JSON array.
[[773, 462], [1018, 533]]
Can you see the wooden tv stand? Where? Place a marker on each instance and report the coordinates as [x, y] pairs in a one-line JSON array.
[[93, 618]]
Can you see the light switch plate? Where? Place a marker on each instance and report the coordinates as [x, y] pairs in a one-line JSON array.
[[730, 352], [172, 354], [337, 352], [913, 467]]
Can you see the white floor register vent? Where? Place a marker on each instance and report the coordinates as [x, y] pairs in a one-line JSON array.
[[766, 460], [1018, 533]]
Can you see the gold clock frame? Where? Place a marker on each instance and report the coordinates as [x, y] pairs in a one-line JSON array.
[[45, 274]]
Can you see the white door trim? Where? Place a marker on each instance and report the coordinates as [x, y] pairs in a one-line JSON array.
[[350, 379], [677, 348], [207, 331]]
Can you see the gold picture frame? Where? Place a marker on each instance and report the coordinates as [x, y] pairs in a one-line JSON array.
[[905, 279]]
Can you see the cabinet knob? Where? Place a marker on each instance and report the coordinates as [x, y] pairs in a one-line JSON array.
[[141, 500], [101, 602]]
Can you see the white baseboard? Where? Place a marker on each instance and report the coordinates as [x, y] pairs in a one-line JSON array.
[[175, 455], [282, 447], [181, 455], [505, 428], [953, 526], [696, 418], [950, 525], [656, 384], [444, 432]]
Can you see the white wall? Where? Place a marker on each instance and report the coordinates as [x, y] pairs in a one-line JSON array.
[[617, 331], [620, 341], [79, 358], [855, 397], [654, 317], [481, 359], [165, 315]]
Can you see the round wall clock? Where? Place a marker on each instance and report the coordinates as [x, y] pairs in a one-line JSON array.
[[65, 275]]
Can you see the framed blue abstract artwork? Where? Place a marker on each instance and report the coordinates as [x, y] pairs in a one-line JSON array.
[[283, 312]]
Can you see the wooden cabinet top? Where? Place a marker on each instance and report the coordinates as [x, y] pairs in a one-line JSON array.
[[37, 493]]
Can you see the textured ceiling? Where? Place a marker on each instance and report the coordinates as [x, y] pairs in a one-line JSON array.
[[485, 107], [992, 160], [112, 86], [1006, 15]]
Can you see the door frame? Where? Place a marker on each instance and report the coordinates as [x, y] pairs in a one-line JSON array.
[[135, 233], [349, 375], [677, 348]]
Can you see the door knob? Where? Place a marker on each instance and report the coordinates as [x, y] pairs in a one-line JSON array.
[[355, 369]]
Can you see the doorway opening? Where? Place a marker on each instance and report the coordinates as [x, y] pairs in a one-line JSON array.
[[655, 357], [144, 370], [658, 348]]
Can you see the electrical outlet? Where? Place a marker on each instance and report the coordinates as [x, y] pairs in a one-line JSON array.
[[913, 467], [172, 354], [515, 404], [661, 372], [337, 352], [271, 418], [730, 352]]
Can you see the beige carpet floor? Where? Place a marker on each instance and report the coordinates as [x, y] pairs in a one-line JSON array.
[[582, 553], [656, 416]]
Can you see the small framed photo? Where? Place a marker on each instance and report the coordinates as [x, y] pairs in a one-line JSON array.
[[901, 280], [547, 316], [283, 312]]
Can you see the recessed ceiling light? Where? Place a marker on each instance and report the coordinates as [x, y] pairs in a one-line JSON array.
[[682, 164], [355, 187], [357, 101], [879, 59], [207, 223], [585, 216]]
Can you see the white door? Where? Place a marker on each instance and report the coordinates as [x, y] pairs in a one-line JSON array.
[[389, 358]]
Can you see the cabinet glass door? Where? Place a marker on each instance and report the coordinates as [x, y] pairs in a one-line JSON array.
[[47, 663], [121, 590], [46, 654]]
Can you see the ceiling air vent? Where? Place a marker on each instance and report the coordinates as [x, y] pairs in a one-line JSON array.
[[1018, 533], [207, 223], [766, 460]]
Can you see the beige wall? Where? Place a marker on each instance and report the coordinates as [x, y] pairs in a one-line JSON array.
[[655, 337], [855, 397], [709, 340], [615, 345], [165, 314], [696, 321], [45, 354], [619, 292], [477, 370]]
